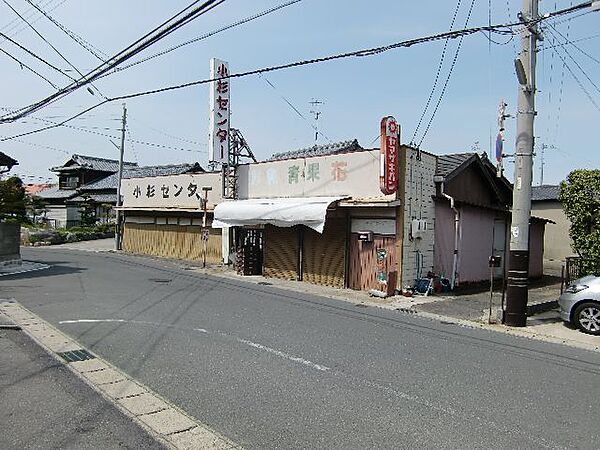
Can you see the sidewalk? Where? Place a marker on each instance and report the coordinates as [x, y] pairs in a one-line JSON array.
[[44, 405]]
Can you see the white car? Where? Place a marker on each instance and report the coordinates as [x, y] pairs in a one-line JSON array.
[[580, 304]]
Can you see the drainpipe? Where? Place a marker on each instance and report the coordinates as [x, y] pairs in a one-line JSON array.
[[440, 179]]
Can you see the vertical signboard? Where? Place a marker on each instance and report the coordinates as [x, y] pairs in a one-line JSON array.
[[388, 173], [218, 140]]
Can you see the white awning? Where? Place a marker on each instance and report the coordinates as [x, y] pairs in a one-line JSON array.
[[281, 212]]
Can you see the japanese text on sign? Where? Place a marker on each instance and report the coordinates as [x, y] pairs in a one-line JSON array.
[[388, 176], [218, 146]]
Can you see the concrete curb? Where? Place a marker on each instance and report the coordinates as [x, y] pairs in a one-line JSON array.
[[163, 420]]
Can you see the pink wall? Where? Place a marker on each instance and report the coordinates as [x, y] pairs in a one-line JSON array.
[[476, 243], [444, 239]]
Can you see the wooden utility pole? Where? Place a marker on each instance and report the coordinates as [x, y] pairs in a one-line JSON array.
[[518, 269], [118, 225]]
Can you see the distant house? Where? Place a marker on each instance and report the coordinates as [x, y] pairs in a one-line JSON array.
[[6, 163], [545, 203], [103, 193], [78, 171], [94, 180], [472, 215]]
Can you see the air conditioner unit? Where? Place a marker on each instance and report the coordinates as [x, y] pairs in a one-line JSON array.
[[418, 228]]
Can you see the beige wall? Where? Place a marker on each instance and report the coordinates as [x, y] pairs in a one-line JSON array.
[[557, 244], [354, 174]]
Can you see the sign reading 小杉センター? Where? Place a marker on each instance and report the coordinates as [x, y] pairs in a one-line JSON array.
[[218, 145]]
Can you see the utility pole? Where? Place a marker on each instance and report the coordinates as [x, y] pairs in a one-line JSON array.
[[118, 226], [518, 269], [315, 104]]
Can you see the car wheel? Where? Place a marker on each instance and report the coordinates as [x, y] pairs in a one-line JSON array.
[[587, 317]]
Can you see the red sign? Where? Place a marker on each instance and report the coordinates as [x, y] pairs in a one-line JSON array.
[[388, 175]]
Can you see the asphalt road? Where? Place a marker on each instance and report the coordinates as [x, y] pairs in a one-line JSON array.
[[275, 369], [38, 397]]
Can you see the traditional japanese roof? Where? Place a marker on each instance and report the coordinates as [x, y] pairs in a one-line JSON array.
[[7, 161], [95, 197], [91, 163], [546, 192], [446, 164], [319, 150], [112, 181], [54, 192]]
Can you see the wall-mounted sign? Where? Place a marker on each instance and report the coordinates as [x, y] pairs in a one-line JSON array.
[[388, 175], [218, 132]]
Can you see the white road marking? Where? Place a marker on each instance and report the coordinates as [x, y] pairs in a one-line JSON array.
[[284, 355], [270, 350], [92, 321]]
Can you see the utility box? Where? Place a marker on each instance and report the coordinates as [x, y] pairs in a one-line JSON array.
[[418, 227]]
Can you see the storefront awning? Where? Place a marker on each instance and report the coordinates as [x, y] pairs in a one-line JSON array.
[[281, 212]]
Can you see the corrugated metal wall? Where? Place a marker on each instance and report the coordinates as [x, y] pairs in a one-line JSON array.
[[363, 261], [172, 241], [280, 252]]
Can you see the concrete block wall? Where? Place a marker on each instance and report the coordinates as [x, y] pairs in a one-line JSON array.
[[417, 253], [10, 239]]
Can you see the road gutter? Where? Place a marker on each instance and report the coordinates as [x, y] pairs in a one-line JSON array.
[[161, 419]]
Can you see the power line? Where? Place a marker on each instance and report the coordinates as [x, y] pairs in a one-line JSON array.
[[500, 29], [437, 75], [29, 13], [567, 41], [35, 56], [588, 95], [85, 45], [454, 60], [47, 42], [576, 63], [293, 108], [22, 64], [158, 33], [204, 36]]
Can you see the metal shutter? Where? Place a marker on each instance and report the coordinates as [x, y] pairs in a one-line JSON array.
[[324, 254], [281, 252]]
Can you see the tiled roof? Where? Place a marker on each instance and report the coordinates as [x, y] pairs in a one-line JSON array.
[[111, 181], [36, 188], [93, 163], [545, 192], [446, 164], [55, 192], [97, 198], [319, 150]]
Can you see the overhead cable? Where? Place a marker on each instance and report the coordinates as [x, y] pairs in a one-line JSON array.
[[78, 39], [204, 36], [501, 29], [22, 64], [437, 75], [443, 92], [142, 43]]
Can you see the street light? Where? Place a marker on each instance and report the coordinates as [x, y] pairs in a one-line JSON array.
[[204, 233]]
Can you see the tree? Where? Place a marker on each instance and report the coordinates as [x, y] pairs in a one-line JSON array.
[[88, 211], [580, 196], [36, 207], [13, 201]]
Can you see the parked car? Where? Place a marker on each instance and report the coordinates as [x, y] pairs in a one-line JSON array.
[[580, 304]]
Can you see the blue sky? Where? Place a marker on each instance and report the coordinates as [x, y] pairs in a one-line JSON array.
[[356, 92]]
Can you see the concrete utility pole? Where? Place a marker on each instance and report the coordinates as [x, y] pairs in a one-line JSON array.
[[118, 228], [518, 269]]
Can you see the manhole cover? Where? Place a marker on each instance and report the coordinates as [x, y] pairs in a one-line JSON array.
[[76, 355]]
